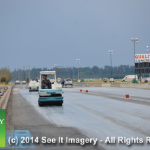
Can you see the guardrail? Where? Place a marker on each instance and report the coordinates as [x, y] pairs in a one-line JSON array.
[[121, 85], [4, 99]]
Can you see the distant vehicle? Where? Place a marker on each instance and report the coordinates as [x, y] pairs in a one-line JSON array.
[[105, 79], [17, 82], [33, 86], [111, 79], [147, 79], [1, 93], [68, 82], [128, 78], [79, 80], [5, 89], [23, 82]]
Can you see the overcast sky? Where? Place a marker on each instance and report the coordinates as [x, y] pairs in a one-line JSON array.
[[41, 33]]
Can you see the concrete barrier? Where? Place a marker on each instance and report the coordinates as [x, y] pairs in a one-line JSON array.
[[119, 85], [134, 85], [5, 98]]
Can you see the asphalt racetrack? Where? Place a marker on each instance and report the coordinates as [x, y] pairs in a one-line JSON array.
[[101, 113]]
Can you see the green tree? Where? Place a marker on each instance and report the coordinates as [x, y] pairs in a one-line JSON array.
[[3, 79], [4, 72]]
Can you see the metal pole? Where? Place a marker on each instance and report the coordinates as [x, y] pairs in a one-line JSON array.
[[58, 71], [61, 72], [78, 70], [26, 73], [23, 73], [29, 73], [111, 66], [81, 72], [73, 73], [101, 73], [110, 60], [18, 74]]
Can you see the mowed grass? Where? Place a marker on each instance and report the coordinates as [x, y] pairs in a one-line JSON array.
[[101, 81]]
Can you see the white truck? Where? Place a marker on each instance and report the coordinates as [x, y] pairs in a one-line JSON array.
[[68, 82], [129, 78], [52, 94], [33, 86], [111, 80], [17, 82]]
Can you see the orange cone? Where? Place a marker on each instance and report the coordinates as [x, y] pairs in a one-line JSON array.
[[11, 93], [127, 96]]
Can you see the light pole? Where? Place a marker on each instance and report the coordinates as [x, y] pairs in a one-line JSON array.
[[147, 49], [147, 53], [134, 41], [111, 53], [55, 65], [78, 61]]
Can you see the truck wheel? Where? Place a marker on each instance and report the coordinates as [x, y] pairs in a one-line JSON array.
[[40, 104], [60, 104]]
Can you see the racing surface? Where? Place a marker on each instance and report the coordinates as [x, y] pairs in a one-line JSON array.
[[143, 93], [25, 119], [101, 116]]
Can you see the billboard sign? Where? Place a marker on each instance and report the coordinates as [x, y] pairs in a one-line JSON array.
[[139, 58]]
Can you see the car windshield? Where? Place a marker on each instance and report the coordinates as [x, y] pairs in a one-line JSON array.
[[51, 77]]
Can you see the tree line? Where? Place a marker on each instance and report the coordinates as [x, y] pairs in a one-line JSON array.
[[118, 72]]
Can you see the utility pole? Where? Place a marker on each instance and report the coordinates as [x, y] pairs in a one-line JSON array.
[[81, 72], [101, 73], [61, 72], [18, 73], [78, 61], [29, 73], [134, 41], [58, 71], [26, 73], [111, 53]]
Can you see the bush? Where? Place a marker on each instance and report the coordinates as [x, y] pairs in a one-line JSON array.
[[3, 79], [82, 80], [5, 75]]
